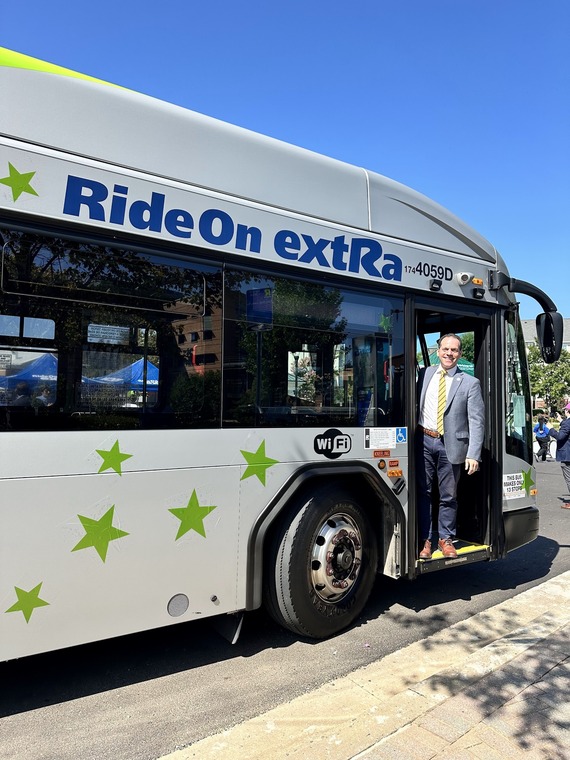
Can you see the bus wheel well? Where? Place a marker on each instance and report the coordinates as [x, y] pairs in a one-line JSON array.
[[355, 483], [321, 557]]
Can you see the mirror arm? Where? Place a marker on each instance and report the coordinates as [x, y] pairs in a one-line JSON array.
[[500, 280]]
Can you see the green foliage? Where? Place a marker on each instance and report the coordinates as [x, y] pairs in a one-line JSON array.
[[307, 319], [468, 347], [196, 397], [550, 382]]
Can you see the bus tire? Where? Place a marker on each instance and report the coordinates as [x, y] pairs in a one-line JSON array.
[[322, 565]]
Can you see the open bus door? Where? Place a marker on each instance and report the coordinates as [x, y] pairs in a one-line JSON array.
[[478, 513]]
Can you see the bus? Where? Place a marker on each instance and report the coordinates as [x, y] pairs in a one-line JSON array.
[[209, 345]]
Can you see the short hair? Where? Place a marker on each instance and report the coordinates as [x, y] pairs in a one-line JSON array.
[[450, 335]]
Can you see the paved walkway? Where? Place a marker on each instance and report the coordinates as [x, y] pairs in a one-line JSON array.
[[494, 686]]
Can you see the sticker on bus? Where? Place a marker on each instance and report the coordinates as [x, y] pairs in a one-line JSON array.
[[384, 438], [516, 485]]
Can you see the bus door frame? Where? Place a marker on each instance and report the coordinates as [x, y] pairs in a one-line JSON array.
[[487, 369]]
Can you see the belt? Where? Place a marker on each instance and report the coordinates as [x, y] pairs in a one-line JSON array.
[[431, 433]]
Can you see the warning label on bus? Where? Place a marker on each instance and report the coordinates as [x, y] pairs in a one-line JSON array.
[[384, 438], [513, 486]]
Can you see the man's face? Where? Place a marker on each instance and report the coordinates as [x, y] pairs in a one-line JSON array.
[[449, 353]]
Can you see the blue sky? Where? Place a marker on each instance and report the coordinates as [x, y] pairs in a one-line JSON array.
[[467, 101]]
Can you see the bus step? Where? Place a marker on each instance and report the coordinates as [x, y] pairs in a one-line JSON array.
[[466, 553]]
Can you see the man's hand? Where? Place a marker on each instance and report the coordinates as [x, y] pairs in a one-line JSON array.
[[471, 465]]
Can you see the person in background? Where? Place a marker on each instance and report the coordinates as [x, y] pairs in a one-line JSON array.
[[44, 398], [23, 394], [562, 436], [542, 435]]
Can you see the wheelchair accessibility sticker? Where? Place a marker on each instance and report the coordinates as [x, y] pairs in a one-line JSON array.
[[384, 438]]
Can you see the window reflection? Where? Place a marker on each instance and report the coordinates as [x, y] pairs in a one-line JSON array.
[[518, 412], [124, 332], [135, 340], [302, 353]]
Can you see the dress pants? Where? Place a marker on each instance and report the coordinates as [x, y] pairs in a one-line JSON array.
[[432, 462], [566, 473]]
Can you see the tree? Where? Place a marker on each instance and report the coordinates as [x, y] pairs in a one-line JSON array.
[[550, 382], [468, 347]]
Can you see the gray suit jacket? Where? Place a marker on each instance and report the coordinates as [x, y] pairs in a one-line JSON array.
[[464, 416]]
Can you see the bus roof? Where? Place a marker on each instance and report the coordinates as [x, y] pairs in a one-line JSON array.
[[57, 108]]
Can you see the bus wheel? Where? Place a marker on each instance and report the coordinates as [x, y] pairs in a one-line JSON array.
[[323, 565]]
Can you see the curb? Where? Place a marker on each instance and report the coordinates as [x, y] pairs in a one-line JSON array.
[[460, 676]]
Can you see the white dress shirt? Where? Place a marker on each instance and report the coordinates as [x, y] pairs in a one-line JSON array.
[[428, 415]]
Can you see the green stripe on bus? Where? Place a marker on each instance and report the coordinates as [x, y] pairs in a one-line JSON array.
[[11, 59]]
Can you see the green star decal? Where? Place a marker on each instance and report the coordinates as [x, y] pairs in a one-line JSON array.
[[527, 480], [191, 516], [99, 533], [112, 459], [18, 183], [28, 601], [258, 463]]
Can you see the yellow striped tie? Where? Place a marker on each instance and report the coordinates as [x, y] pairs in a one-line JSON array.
[[441, 399]]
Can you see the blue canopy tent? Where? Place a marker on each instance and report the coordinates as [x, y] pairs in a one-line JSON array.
[[40, 372], [43, 371], [131, 377]]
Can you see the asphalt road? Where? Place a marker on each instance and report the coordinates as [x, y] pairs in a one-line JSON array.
[[143, 696]]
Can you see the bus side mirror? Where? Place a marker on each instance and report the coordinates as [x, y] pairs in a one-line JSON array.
[[549, 330]]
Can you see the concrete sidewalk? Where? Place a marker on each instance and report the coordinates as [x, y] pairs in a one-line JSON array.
[[494, 686]]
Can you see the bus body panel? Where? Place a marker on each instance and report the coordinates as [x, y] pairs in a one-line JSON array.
[[80, 192], [521, 527], [101, 583], [95, 121], [211, 154], [397, 212], [121, 575]]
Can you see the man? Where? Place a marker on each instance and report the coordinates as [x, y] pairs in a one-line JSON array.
[[23, 394], [44, 398], [562, 436], [450, 436]]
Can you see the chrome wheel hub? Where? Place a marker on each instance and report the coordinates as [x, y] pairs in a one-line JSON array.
[[336, 557]]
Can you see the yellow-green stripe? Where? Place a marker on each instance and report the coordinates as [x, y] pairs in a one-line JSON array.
[[11, 59]]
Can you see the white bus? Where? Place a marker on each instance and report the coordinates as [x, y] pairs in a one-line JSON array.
[[209, 342]]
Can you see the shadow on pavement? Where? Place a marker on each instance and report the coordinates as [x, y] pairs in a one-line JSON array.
[[81, 671]]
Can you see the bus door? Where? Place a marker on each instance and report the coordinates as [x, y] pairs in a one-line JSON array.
[[475, 526]]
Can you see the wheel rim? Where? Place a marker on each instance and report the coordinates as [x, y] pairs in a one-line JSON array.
[[336, 557]]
